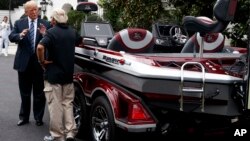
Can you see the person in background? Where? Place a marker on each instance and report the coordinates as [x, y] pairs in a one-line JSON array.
[[59, 44], [27, 33], [4, 34]]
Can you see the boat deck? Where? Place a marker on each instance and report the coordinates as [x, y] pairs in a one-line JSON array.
[[191, 55]]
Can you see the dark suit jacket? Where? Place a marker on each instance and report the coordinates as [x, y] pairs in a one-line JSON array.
[[24, 50]]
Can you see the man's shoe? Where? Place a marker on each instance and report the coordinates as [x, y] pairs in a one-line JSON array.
[[70, 139], [39, 123], [22, 122], [49, 138]]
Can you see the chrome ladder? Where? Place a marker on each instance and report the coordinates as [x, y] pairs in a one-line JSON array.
[[184, 89]]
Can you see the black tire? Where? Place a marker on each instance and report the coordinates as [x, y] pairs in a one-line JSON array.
[[102, 120], [80, 112]]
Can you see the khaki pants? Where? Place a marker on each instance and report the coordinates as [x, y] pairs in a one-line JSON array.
[[59, 99]]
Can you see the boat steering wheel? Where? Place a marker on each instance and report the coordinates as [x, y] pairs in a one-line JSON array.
[[178, 34]]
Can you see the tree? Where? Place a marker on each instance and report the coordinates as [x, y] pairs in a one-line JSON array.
[[75, 19], [191, 7], [131, 13], [112, 13], [241, 24]]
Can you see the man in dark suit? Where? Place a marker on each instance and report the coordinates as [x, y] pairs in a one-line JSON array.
[[27, 33]]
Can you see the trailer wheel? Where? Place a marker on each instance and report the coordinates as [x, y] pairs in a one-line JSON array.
[[80, 112], [102, 120]]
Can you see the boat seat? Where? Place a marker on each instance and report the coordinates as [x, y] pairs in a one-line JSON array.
[[132, 40], [223, 12], [213, 42]]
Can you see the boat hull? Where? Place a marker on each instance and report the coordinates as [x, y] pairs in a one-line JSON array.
[[165, 92]]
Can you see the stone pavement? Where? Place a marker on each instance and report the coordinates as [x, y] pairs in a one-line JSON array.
[[10, 104]]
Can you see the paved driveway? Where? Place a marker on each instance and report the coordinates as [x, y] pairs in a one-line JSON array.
[[9, 108]]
